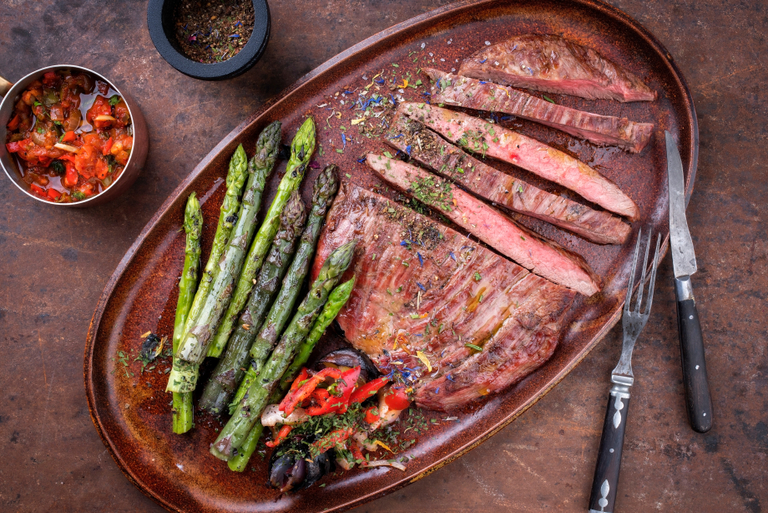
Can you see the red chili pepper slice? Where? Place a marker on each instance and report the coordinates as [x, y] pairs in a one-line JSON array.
[[288, 404], [69, 136], [397, 399], [70, 177], [327, 403], [54, 194], [281, 436], [333, 438], [38, 190], [107, 146], [14, 123], [322, 400], [368, 390], [372, 414], [17, 146], [346, 385]]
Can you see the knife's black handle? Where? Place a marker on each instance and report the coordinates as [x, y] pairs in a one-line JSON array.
[[697, 398], [605, 483]]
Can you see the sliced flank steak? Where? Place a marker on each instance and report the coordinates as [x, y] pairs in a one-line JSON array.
[[431, 150], [476, 94], [533, 252], [487, 139], [552, 64], [447, 316]]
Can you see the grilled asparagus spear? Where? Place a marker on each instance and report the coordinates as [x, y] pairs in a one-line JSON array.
[[235, 432], [194, 343], [302, 147], [219, 389], [325, 188], [238, 167], [183, 411], [336, 300]]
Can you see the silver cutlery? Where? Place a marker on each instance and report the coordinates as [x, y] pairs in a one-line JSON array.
[[697, 398], [604, 485]]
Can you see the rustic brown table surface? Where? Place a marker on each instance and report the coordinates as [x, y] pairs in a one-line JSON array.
[[55, 264]]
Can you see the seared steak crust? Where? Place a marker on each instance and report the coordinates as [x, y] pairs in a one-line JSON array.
[[553, 64], [429, 149], [481, 137], [425, 291], [535, 253], [475, 94]]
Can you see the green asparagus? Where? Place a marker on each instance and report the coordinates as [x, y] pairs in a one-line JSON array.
[[325, 187], [248, 411], [194, 343], [336, 300], [229, 371], [302, 147], [238, 166], [183, 411]]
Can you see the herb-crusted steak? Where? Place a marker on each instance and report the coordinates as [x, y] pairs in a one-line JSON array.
[[475, 94], [481, 137], [429, 149], [533, 252], [425, 293], [552, 64]]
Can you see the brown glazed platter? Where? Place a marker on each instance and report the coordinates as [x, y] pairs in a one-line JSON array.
[[128, 405]]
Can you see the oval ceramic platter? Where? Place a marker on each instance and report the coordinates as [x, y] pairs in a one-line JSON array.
[[127, 401]]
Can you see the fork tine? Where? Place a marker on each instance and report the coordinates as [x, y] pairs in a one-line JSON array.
[[653, 275], [630, 284], [640, 289]]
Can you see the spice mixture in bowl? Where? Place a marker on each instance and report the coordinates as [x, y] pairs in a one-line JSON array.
[[209, 40], [211, 32]]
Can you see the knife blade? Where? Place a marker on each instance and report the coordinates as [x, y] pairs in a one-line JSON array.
[[697, 397]]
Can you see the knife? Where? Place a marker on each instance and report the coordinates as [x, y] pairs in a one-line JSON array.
[[697, 398]]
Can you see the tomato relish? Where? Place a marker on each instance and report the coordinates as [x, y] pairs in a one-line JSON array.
[[71, 135]]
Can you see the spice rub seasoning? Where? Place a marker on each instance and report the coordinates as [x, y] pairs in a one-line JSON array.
[[211, 31]]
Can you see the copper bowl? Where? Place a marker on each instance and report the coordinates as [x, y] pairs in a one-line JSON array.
[[133, 167]]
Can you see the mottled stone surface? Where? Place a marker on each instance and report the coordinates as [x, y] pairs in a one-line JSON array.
[[54, 268]]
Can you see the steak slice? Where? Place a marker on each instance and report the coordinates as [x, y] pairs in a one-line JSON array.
[[528, 249], [552, 64], [475, 94], [425, 290], [480, 136], [429, 149]]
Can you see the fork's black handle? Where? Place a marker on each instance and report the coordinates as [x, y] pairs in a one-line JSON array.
[[606, 480], [697, 398]]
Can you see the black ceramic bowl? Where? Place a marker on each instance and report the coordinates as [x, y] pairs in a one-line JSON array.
[[161, 30]]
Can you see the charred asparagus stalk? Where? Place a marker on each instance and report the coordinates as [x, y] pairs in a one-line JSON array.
[[235, 432], [238, 167], [194, 343], [325, 187], [229, 372], [302, 147], [183, 411], [336, 300]]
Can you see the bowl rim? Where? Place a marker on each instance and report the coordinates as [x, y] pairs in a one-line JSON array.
[[11, 97], [158, 10]]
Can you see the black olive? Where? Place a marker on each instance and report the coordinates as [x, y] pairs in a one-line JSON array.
[[287, 472], [317, 468], [349, 357]]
